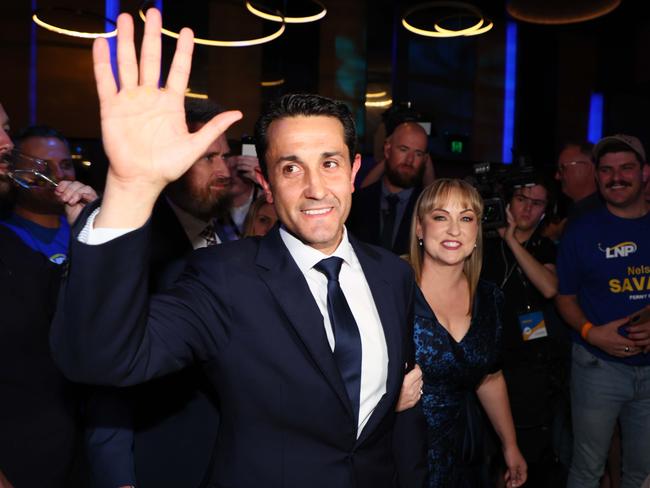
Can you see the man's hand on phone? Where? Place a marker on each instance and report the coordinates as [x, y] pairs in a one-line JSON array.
[[638, 329]]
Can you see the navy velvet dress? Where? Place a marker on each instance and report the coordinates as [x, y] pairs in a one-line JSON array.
[[452, 371]]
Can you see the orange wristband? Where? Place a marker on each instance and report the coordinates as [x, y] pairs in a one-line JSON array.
[[586, 327]]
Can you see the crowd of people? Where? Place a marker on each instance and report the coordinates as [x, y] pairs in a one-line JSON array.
[[223, 319]]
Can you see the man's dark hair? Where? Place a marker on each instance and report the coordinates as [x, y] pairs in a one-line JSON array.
[[43, 131], [614, 147], [200, 110], [294, 105], [541, 180]]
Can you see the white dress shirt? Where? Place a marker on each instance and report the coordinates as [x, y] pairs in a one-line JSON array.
[[192, 226], [374, 352]]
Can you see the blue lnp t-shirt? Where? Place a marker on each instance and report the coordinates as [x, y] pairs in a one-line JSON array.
[[53, 243], [605, 261]]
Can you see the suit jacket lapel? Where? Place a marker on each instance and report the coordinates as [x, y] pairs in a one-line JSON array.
[[403, 235], [384, 298], [288, 286]]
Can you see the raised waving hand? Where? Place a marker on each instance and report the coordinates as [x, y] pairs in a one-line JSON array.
[[143, 126]]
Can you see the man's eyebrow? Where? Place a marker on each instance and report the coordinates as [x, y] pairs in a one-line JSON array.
[[289, 157], [329, 154]]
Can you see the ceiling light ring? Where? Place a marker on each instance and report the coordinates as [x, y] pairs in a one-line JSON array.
[[443, 4], [488, 26], [288, 20], [70, 32], [378, 94], [271, 83], [458, 32], [518, 12], [218, 43], [379, 103]]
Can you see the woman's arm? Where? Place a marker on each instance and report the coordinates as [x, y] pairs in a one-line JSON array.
[[493, 395]]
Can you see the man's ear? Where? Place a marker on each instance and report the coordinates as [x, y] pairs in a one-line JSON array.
[[263, 182], [645, 175], [356, 165]]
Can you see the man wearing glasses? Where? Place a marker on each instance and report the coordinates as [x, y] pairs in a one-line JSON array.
[[522, 263], [577, 176], [604, 276]]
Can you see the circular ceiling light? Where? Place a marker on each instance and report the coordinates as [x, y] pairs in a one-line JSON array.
[[470, 31], [39, 14], [458, 9], [219, 43], [289, 20], [557, 12], [270, 83], [379, 103]]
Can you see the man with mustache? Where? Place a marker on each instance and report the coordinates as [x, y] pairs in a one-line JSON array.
[[604, 281], [381, 213]]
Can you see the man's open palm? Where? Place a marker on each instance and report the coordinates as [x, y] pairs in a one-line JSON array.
[[143, 126]]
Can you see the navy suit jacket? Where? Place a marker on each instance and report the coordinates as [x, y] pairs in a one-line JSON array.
[[365, 217], [164, 430], [245, 308], [176, 417]]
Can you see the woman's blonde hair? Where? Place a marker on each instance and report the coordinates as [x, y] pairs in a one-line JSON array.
[[436, 195], [253, 210]]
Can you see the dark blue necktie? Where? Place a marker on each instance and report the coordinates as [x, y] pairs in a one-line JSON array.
[[347, 341]]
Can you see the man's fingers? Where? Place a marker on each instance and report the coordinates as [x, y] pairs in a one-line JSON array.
[[126, 60], [150, 51], [213, 129], [179, 72], [104, 78]]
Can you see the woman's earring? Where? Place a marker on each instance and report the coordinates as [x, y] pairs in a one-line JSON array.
[[420, 242], [475, 244]]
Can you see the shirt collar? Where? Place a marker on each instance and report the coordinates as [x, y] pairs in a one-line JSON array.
[[306, 257]]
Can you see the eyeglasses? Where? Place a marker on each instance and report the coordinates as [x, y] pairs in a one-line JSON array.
[[27, 171], [533, 201], [563, 167]]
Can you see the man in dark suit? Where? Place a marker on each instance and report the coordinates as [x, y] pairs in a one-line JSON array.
[[168, 426], [382, 212], [176, 417], [306, 331]]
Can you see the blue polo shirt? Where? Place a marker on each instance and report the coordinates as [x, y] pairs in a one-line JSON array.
[[605, 261], [53, 243]]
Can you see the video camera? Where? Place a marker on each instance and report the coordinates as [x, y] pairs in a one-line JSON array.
[[493, 182]]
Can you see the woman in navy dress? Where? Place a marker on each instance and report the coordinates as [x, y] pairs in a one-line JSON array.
[[457, 334]]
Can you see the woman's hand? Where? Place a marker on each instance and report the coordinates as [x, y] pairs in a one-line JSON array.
[[411, 390], [517, 469]]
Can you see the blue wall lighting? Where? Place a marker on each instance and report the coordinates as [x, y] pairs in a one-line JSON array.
[[595, 131], [510, 91]]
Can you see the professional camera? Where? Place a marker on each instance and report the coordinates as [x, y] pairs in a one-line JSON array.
[[493, 182]]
